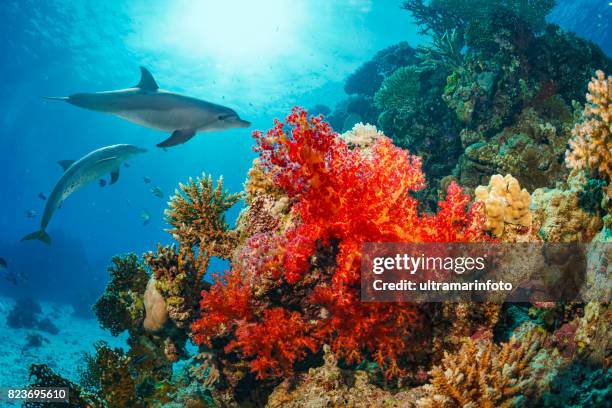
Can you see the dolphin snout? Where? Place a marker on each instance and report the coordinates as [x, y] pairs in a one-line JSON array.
[[243, 123]]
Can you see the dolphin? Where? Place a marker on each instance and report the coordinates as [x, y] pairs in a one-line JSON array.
[[77, 174], [149, 106]]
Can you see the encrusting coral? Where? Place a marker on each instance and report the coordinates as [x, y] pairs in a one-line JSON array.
[[505, 203], [590, 148]]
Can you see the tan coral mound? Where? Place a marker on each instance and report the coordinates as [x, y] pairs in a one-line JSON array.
[[155, 307], [484, 375], [560, 216], [505, 203], [591, 145]]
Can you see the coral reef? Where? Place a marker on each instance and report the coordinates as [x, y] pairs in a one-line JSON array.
[[285, 325], [307, 281], [512, 87]]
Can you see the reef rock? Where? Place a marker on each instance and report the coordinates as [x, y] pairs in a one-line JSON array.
[[329, 386]]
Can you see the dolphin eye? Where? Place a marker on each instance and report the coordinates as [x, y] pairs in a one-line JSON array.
[[223, 117]]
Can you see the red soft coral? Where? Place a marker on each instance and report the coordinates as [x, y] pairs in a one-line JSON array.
[[341, 198], [223, 306], [276, 342]]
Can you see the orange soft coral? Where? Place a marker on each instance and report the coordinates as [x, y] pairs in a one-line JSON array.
[[341, 198]]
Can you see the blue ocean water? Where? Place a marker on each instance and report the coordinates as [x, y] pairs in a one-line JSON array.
[[259, 58]]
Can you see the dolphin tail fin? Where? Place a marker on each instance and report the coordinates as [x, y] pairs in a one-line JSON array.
[[39, 235], [57, 98]]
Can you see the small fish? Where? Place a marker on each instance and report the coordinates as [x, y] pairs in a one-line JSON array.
[[42, 196], [157, 192], [127, 165], [102, 182], [31, 213], [3, 264], [145, 216], [138, 359], [146, 180]]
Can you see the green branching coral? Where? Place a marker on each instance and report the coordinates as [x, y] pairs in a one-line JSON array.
[[439, 16], [107, 375], [121, 307], [43, 376], [400, 90], [197, 214]]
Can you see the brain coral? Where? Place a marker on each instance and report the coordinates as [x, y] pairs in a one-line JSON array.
[[505, 203]]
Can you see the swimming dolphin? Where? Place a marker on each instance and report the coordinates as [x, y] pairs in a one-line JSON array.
[[147, 105], [77, 174]]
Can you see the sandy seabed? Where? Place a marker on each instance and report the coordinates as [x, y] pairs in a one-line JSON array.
[[63, 352]]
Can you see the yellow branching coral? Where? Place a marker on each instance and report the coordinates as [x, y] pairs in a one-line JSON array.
[[591, 144], [505, 203], [484, 375], [197, 216]]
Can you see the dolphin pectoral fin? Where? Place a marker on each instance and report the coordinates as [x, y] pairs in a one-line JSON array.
[[65, 163], [147, 82], [178, 137], [114, 175]]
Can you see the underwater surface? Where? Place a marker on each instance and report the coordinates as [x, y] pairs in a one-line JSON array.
[[489, 94]]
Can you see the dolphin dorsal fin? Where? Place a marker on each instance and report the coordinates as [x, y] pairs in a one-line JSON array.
[[65, 163], [147, 81]]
